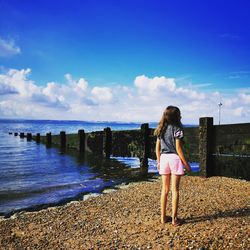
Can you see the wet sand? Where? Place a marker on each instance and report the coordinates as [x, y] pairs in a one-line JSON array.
[[215, 213]]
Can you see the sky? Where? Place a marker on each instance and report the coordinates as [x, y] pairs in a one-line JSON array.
[[127, 60]]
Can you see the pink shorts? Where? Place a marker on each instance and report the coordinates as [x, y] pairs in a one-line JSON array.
[[171, 163]]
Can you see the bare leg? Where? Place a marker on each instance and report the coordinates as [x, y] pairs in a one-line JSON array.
[[164, 195], [175, 196]]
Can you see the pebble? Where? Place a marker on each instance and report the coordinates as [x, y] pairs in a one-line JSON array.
[[87, 196], [107, 191]]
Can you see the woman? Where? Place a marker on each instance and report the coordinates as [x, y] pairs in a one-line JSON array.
[[170, 158]]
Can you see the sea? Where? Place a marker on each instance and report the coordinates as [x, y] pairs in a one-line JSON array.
[[34, 177]]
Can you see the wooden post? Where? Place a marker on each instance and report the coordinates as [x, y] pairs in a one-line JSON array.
[[81, 136], [205, 146], [145, 147], [29, 136], [22, 135], [48, 139], [107, 142], [15, 134], [63, 140], [38, 138]]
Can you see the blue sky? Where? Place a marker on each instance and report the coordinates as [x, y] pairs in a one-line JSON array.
[[201, 44]]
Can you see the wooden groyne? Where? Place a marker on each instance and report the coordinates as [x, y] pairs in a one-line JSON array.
[[220, 149]]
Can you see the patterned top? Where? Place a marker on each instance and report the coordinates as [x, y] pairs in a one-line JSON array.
[[168, 138]]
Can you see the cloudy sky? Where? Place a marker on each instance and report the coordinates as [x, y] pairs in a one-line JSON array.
[[124, 60]]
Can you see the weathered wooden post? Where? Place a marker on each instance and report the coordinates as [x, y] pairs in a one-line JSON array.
[[48, 139], [107, 142], [21, 135], [63, 140], [29, 136], [145, 147], [38, 138], [205, 146], [81, 137], [15, 134]]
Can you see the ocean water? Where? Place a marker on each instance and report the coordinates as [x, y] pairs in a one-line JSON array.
[[33, 176]]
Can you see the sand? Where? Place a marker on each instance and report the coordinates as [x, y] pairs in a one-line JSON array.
[[215, 213]]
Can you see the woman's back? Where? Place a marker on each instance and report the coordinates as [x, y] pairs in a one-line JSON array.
[[170, 133]]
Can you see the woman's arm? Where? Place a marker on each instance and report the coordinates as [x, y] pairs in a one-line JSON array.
[[179, 150], [158, 152]]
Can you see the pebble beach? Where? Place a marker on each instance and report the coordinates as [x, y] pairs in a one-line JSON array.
[[215, 213]]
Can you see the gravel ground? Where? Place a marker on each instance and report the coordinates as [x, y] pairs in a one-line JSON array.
[[215, 212]]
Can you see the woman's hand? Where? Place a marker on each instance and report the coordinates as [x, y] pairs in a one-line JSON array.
[[158, 166], [158, 153], [188, 168], [181, 154]]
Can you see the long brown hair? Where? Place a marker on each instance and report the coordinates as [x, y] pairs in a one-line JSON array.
[[171, 115]]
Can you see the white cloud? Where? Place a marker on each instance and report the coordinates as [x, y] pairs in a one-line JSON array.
[[154, 85], [190, 94], [102, 94], [80, 85], [143, 101], [18, 80], [238, 111], [8, 48], [6, 89], [26, 90], [245, 98]]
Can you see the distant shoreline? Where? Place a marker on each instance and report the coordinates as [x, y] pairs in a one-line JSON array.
[[88, 122]]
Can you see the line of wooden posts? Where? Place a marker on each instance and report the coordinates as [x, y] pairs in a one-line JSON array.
[[81, 134], [107, 141], [205, 143]]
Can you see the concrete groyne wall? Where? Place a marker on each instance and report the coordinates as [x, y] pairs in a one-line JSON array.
[[227, 149]]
